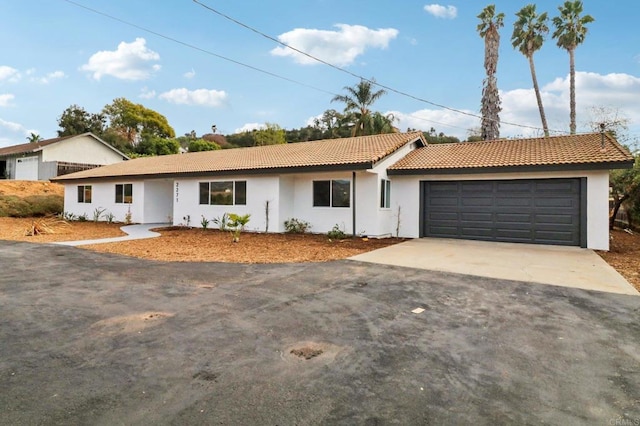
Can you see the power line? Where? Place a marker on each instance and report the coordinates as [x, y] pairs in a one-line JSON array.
[[336, 67], [208, 52], [200, 49]]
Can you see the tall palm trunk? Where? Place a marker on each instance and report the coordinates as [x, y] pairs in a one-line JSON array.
[[490, 96], [543, 117], [572, 91]]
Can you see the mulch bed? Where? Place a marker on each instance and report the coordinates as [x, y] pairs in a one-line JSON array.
[[624, 255]]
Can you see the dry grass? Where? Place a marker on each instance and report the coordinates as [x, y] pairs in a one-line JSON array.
[[16, 229]]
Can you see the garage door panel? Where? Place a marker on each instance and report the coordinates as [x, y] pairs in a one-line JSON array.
[[514, 217], [477, 216], [476, 201], [475, 186], [532, 211], [513, 202], [511, 187]]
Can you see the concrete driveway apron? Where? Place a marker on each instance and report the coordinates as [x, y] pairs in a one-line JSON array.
[[554, 265]]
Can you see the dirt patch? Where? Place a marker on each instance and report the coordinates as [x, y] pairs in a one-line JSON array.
[[624, 255], [306, 352], [126, 324], [25, 188], [16, 229], [198, 245]]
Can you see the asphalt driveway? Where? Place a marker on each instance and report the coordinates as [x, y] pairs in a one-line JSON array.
[[90, 338]]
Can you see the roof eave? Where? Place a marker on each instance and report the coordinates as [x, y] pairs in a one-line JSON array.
[[212, 173], [507, 169]]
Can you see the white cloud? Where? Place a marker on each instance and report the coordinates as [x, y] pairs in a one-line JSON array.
[[49, 77], [14, 127], [130, 61], [616, 91], [5, 99], [145, 93], [9, 74], [339, 47], [202, 97], [444, 12], [248, 127], [189, 74]]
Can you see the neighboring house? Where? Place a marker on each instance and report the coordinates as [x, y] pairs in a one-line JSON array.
[[49, 158], [545, 190]]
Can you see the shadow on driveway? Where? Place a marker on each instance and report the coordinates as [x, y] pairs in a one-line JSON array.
[[92, 338]]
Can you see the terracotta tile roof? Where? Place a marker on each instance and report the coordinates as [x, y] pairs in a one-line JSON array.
[[358, 152], [505, 153], [30, 146]]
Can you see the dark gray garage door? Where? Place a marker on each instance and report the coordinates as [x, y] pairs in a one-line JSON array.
[[541, 211]]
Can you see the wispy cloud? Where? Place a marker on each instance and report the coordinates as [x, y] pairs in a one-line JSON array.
[[340, 47], [5, 99], [189, 74], [439, 11], [9, 74], [201, 97]]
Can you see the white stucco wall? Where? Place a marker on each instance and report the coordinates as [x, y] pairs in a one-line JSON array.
[[259, 189], [406, 193], [103, 197], [80, 149]]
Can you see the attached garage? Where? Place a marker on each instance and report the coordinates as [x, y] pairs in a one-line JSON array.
[[548, 190], [538, 211]]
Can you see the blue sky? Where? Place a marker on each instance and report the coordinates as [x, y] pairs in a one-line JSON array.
[[55, 53]]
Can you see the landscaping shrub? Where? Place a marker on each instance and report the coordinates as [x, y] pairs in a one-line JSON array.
[[336, 233], [296, 226], [31, 206]]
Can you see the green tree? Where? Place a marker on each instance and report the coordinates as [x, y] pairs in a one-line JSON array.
[[432, 136], [135, 122], [488, 27], [75, 120], [358, 102], [380, 124], [625, 189], [272, 134], [34, 137], [157, 146], [571, 30], [199, 145], [528, 36]]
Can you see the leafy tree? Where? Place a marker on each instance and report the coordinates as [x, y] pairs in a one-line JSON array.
[[34, 137], [135, 122], [358, 102], [157, 146], [75, 120], [272, 134], [199, 145], [528, 36], [625, 189], [432, 136], [488, 27], [242, 139], [380, 124], [571, 30]]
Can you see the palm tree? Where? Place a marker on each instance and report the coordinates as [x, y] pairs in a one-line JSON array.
[[34, 137], [528, 36], [358, 101], [488, 29], [380, 124], [571, 31]]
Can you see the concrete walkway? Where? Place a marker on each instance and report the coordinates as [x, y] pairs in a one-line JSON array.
[[134, 232], [555, 265]]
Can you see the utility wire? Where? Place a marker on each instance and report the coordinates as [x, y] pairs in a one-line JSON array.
[[191, 46], [208, 52], [390, 89]]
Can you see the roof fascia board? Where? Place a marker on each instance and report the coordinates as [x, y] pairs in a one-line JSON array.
[[509, 169]]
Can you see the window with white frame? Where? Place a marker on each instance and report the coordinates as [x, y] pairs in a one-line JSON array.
[[332, 193], [124, 193], [385, 193], [84, 193], [224, 193]]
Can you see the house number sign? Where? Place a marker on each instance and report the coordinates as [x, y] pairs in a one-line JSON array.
[[177, 191]]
